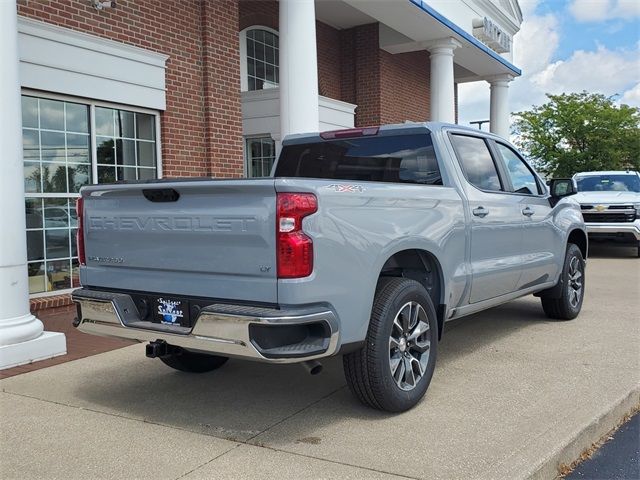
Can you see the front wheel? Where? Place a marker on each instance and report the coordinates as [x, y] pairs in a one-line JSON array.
[[394, 368], [193, 362], [569, 304]]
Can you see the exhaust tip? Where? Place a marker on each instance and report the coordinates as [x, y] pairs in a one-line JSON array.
[[312, 367]]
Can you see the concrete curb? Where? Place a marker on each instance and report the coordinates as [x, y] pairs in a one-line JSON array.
[[548, 468]]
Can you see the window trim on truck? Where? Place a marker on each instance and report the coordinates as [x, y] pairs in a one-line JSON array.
[[503, 174], [498, 165], [504, 170]]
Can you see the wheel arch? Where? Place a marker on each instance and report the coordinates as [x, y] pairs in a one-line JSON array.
[[424, 267], [578, 237]]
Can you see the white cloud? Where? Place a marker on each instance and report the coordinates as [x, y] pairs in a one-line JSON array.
[[602, 70], [533, 48], [632, 96], [536, 42], [528, 7], [600, 10]]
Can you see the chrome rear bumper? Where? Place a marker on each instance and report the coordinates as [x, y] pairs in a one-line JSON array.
[[219, 329]]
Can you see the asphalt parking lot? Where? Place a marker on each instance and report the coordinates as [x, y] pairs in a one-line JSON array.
[[514, 396]]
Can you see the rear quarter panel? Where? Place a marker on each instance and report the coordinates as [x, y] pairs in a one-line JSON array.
[[357, 230]]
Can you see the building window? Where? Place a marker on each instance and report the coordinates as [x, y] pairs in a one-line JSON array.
[[59, 159], [259, 56], [125, 145], [260, 153]]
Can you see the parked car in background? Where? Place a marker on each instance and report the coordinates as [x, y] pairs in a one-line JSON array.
[[610, 203], [362, 244]]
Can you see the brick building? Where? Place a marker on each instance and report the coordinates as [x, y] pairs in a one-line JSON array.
[[166, 88]]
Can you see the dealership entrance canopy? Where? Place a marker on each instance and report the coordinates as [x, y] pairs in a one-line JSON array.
[[457, 56], [96, 93]]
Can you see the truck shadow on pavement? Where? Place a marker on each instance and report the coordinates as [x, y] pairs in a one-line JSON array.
[[244, 399]]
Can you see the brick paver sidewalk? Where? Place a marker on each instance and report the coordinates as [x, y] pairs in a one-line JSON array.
[[79, 345]]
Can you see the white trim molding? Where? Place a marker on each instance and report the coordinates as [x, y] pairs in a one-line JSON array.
[[60, 60], [261, 113]]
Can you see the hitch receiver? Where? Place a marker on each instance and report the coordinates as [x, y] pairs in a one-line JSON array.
[[160, 348]]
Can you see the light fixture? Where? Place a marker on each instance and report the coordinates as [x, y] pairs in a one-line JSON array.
[[100, 4]]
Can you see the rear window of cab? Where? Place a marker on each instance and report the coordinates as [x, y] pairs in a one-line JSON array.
[[384, 158]]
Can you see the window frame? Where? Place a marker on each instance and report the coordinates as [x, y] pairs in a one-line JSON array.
[[244, 74], [494, 145], [245, 141], [93, 148], [497, 164]]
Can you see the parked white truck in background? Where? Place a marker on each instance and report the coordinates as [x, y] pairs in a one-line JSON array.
[[610, 203]]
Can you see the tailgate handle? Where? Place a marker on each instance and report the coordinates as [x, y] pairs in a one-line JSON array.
[[161, 194]]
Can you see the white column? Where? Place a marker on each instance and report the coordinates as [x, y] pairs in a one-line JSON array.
[[298, 67], [22, 339], [442, 84], [499, 109]]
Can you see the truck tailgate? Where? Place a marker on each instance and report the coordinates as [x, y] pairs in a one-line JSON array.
[[205, 238]]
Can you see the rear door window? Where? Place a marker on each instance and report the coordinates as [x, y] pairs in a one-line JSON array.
[[476, 161], [385, 158]]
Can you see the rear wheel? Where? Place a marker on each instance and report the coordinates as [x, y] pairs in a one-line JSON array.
[[193, 362], [393, 370], [569, 304]]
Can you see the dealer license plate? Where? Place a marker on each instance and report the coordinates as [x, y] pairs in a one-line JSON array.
[[172, 311]]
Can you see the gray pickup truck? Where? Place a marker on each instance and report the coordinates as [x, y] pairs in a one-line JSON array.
[[363, 243]]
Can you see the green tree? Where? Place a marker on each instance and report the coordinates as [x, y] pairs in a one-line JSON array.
[[579, 132]]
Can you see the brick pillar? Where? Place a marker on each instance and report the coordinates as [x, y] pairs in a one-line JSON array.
[[221, 85], [367, 75]]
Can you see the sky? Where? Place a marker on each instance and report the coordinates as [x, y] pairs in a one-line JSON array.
[[568, 46]]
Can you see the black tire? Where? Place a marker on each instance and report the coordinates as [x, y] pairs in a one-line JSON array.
[[193, 362], [565, 307], [369, 370]]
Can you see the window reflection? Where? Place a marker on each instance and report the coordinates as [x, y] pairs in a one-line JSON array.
[[58, 162]]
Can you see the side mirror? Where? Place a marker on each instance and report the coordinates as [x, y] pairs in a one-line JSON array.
[[562, 187]]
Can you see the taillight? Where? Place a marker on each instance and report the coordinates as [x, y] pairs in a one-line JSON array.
[[80, 231], [294, 249]]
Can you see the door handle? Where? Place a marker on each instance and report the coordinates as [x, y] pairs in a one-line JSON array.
[[528, 211], [480, 212]]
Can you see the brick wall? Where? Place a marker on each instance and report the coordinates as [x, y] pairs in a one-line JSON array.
[[191, 144], [387, 88], [258, 12], [404, 87], [221, 92], [329, 61], [43, 303], [367, 74]]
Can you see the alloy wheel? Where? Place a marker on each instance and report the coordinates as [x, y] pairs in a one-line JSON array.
[[575, 282], [409, 345]]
